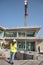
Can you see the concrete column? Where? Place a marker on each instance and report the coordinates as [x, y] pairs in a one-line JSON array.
[[25, 44], [17, 34], [36, 49]]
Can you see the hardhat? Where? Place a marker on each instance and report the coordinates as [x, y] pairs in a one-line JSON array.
[[14, 40]]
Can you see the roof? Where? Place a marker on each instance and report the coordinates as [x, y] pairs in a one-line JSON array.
[[27, 28], [2, 28]]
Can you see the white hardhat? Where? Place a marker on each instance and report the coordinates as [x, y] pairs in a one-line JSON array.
[[14, 40]]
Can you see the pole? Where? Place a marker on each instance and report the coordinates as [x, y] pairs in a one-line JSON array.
[[25, 21], [25, 15]]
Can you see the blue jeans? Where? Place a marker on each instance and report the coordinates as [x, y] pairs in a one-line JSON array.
[[12, 55]]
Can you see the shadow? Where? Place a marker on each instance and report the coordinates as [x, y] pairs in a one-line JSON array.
[[41, 53], [41, 63], [22, 56], [7, 60]]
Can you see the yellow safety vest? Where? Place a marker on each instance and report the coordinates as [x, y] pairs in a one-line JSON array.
[[3, 46], [13, 48]]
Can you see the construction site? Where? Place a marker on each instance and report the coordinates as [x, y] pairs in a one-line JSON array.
[[29, 45]]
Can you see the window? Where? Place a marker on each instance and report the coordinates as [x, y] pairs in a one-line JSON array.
[[21, 34], [10, 34], [21, 45], [30, 46], [31, 34], [15, 34], [1, 33]]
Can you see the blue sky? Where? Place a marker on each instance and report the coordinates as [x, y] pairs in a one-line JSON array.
[[12, 13]]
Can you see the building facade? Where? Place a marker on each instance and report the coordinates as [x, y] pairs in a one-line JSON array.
[[27, 39]]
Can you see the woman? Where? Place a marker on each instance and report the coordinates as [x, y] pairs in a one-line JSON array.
[[13, 50]]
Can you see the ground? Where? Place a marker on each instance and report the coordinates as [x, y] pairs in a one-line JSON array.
[[22, 62]]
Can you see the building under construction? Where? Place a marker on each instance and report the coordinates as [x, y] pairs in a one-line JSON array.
[[27, 40], [29, 44]]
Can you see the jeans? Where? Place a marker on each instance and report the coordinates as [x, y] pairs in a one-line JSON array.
[[12, 55]]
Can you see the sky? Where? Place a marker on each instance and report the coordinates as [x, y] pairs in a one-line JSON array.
[[12, 14]]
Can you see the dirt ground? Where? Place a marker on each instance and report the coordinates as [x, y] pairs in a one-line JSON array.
[[22, 62]]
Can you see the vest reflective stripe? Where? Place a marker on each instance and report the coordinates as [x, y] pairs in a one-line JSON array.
[[13, 48]]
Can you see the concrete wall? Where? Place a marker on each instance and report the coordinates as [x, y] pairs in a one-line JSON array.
[[39, 44]]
